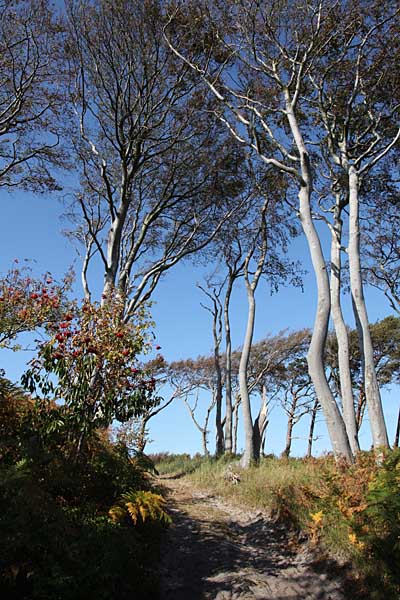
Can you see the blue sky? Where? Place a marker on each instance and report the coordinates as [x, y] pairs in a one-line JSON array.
[[31, 228]]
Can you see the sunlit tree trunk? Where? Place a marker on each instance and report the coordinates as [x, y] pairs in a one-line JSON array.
[[260, 424], [248, 455], [228, 367], [235, 413], [290, 424], [371, 387], [315, 357], [397, 434], [312, 427], [346, 387]]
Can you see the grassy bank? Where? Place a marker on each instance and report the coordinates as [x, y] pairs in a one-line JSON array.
[[352, 513]]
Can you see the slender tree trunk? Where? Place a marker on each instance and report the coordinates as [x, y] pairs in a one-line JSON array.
[[360, 408], [260, 424], [217, 332], [204, 440], [202, 429], [346, 387], [315, 357], [289, 427], [372, 393], [228, 367], [219, 446], [248, 455], [312, 427], [397, 434], [251, 452], [235, 423]]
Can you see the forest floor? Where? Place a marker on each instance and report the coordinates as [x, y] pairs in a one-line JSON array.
[[219, 551]]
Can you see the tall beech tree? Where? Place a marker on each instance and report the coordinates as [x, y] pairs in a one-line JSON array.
[[272, 48], [155, 165], [359, 118], [30, 95], [264, 65]]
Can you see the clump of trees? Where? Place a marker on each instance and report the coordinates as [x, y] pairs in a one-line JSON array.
[[279, 383], [305, 88], [224, 144]]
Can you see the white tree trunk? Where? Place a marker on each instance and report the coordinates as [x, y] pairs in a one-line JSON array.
[[346, 388], [228, 369], [315, 358], [372, 393], [312, 427], [260, 424], [248, 455]]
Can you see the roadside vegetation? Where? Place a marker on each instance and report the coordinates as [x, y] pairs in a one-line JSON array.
[[65, 533], [79, 517], [349, 513]]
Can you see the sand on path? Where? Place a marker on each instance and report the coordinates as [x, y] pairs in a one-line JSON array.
[[218, 551]]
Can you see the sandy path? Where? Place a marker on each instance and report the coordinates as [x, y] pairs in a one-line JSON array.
[[216, 551]]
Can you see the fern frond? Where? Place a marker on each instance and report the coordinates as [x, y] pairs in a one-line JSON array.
[[117, 513], [143, 506]]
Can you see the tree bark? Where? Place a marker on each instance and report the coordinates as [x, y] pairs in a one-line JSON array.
[[228, 366], [397, 434], [315, 357], [372, 393], [248, 455], [235, 412], [260, 424], [289, 428], [312, 427], [346, 387], [219, 447]]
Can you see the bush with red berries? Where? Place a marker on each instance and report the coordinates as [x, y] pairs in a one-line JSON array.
[[91, 366], [28, 303]]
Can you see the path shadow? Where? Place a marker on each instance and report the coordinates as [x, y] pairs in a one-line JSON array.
[[216, 558]]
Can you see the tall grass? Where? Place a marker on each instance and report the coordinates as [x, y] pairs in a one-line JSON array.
[[177, 464], [352, 512]]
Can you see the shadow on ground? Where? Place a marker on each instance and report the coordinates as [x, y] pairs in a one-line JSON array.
[[216, 552]]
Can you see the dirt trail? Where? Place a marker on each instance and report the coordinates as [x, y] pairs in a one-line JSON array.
[[217, 551]]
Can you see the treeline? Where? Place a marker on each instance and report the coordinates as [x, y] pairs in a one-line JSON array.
[[279, 385]]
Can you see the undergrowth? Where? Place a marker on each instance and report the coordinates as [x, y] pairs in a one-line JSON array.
[[350, 512], [58, 539]]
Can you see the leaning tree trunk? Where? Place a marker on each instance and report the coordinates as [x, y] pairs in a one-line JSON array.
[[315, 358], [371, 387], [346, 386]]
